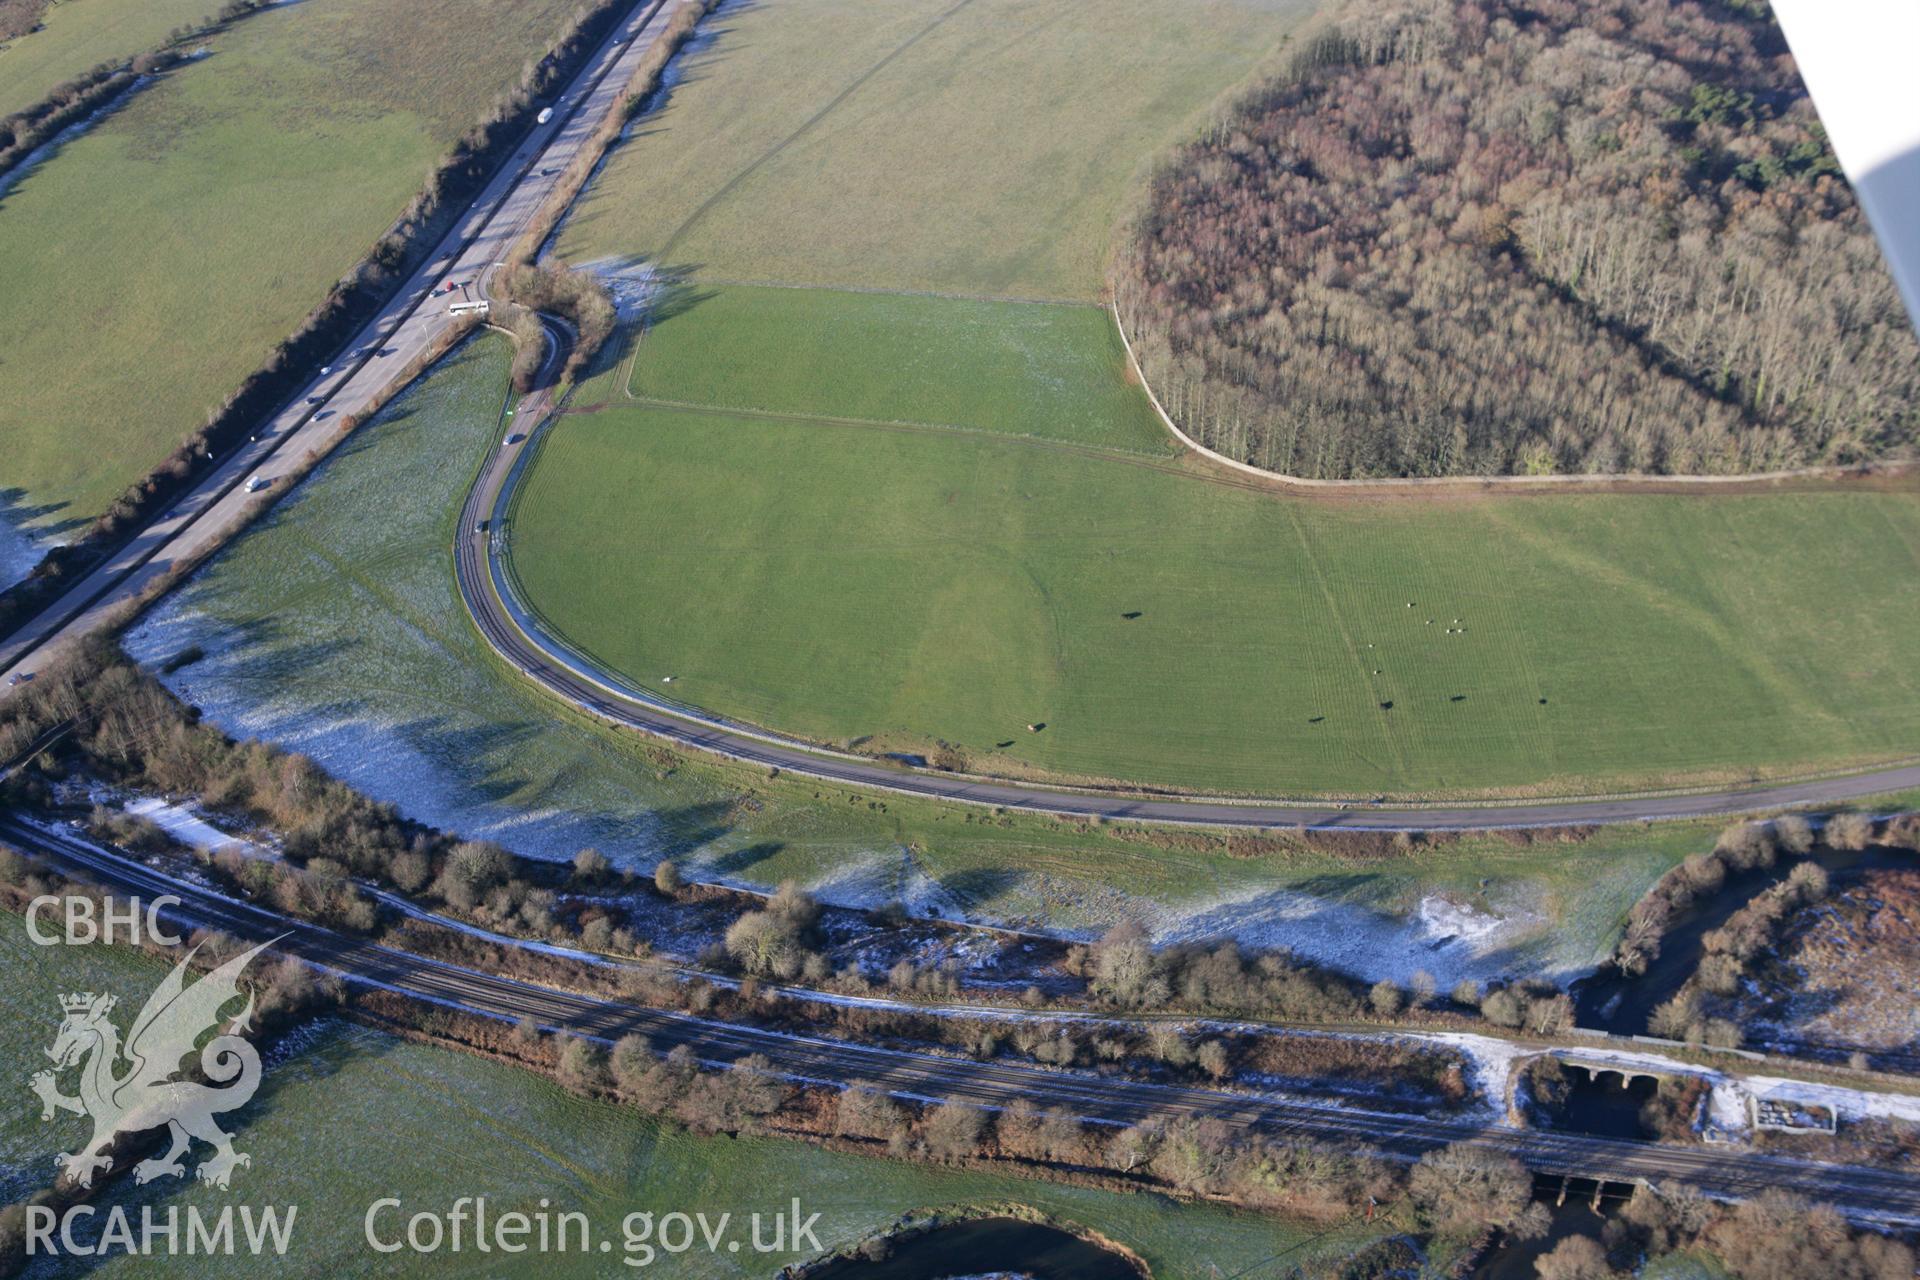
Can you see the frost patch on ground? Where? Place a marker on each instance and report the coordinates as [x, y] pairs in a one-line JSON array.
[[1491, 1065], [184, 824], [1444, 938], [877, 879], [1444, 918], [1848, 1104], [632, 284], [1731, 1095], [378, 755], [20, 548]]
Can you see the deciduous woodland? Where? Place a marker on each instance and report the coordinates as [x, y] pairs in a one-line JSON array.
[[18, 17], [1485, 236]]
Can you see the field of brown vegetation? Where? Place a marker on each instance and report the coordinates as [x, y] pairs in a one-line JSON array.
[[18, 17], [1845, 970], [1473, 237]]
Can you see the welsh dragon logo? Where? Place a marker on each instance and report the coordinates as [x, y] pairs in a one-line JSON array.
[[131, 1088]]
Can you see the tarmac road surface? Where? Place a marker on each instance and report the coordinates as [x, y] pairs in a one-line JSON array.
[[519, 637], [213, 510], [407, 326], [1863, 1192]]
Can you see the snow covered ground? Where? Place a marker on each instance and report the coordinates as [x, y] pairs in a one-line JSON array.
[[1733, 1092], [20, 550], [1443, 937], [184, 824]]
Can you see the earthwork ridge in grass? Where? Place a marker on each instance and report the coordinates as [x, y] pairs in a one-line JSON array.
[[905, 588], [1048, 371]]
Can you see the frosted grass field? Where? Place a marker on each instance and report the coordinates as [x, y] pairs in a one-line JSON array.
[[29, 1018], [333, 627]]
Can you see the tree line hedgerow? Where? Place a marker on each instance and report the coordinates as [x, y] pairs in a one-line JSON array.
[[350, 304], [531, 282], [1476, 237], [24, 132]]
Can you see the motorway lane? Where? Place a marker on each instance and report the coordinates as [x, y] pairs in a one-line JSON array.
[[209, 514], [1878, 1194], [362, 377], [517, 635]]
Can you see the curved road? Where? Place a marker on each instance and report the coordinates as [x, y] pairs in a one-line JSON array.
[[515, 633], [1869, 1193], [210, 513]]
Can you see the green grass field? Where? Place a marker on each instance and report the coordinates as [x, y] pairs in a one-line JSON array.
[[980, 147], [346, 1115], [333, 628], [356, 1116], [36, 978], [79, 35], [857, 583], [1016, 368], [151, 264], [767, 498]]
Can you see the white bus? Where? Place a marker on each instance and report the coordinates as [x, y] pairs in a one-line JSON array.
[[468, 308]]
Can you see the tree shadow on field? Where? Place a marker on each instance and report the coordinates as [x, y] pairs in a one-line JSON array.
[[675, 294], [978, 885], [261, 654], [1356, 888], [18, 511], [744, 859], [484, 748], [710, 44], [689, 828], [394, 415]]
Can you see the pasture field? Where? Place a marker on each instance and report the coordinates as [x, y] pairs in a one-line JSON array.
[[333, 628], [149, 265], [978, 146], [895, 590], [37, 977], [350, 1116], [78, 35], [1018, 368]]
